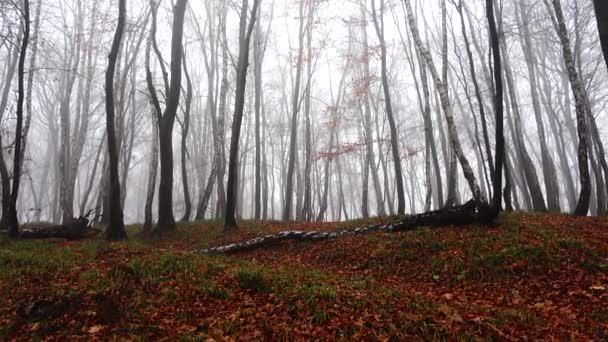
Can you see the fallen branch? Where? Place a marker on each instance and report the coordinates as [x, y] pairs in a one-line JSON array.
[[457, 215], [79, 228]]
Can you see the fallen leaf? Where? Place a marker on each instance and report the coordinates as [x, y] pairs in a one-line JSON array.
[[95, 329]]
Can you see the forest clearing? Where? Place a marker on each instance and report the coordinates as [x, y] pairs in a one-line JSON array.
[[536, 276]]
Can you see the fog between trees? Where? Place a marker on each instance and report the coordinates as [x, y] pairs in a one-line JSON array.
[[309, 110]]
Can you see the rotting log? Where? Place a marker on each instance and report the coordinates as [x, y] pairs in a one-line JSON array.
[[79, 228], [455, 215]]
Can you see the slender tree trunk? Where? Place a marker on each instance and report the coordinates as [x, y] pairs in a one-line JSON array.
[[549, 173], [245, 31], [116, 229], [583, 109], [89, 188], [258, 58], [221, 112], [535, 191], [445, 102], [479, 98], [498, 106], [295, 102], [369, 143], [306, 213], [379, 26], [13, 56], [184, 151], [13, 219]]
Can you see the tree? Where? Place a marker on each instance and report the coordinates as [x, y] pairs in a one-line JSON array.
[[445, 104], [13, 56], [13, 220], [548, 166], [116, 229], [478, 96], [583, 110], [184, 152], [498, 107], [295, 107], [601, 12], [166, 120], [379, 26], [245, 31]]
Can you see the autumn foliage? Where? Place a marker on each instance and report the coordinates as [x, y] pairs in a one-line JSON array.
[[534, 276]]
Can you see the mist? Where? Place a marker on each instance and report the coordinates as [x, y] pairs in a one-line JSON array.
[[319, 140]]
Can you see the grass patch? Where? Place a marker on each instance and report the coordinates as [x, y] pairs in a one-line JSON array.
[[252, 279], [164, 267], [20, 258], [508, 261], [515, 316]]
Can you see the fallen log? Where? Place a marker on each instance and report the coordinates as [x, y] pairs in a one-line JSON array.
[[456, 215], [79, 228]]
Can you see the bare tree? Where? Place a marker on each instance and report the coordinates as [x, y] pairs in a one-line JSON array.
[[379, 26], [549, 172], [13, 219], [11, 65], [116, 229], [445, 103], [184, 147], [583, 109], [295, 107], [498, 107], [166, 120], [245, 31]]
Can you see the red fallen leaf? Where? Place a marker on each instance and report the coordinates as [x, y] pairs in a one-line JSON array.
[[519, 265]]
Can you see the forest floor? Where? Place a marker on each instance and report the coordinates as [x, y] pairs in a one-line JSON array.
[[531, 276]]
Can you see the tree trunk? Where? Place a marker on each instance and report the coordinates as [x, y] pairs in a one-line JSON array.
[[369, 143], [11, 64], [245, 31], [306, 212], [184, 149], [498, 106], [116, 229], [445, 102], [221, 112], [379, 26], [535, 191], [549, 173], [166, 221], [601, 13], [152, 174], [12, 218], [295, 107], [582, 107], [258, 59], [482, 114]]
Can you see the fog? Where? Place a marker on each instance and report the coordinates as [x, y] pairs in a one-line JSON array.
[[323, 59]]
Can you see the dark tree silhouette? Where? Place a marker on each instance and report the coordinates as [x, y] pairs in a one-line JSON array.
[[166, 220], [245, 31], [601, 12], [116, 229], [13, 220], [499, 156]]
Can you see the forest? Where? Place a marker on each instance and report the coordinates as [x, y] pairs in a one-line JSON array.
[[303, 170]]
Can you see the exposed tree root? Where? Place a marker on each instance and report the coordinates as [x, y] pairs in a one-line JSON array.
[[456, 215]]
